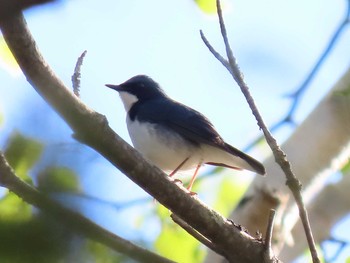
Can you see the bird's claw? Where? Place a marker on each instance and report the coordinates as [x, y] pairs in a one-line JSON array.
[[193, 193], [177, 181]]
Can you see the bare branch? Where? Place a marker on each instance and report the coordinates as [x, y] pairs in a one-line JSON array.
[[323, 219], [76, 76], [280, 157], [216, 54], [296, 96], [268, 253]]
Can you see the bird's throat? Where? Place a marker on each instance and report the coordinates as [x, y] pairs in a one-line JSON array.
[[128, 100]]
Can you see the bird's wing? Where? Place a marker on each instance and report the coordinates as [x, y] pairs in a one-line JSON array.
[[191, 125]]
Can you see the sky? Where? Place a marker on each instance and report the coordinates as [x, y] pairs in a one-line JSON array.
[[275, 42]]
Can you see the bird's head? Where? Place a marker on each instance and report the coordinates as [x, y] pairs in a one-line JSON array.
[[138, 88]]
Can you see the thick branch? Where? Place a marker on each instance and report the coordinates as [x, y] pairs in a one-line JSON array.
[[92, 129], [10, 7]]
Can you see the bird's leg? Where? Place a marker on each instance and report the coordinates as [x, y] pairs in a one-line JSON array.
[[178, 168], [192, 179]]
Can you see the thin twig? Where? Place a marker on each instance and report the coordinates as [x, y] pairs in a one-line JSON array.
[[280, 157], [214, 52], [296, 96], [115, 205], [340, 249], [268, 253], [76, 76]]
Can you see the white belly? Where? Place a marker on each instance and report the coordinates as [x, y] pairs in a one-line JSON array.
[[165, 150]]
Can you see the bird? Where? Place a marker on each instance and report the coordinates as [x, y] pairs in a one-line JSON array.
[[173, 136]]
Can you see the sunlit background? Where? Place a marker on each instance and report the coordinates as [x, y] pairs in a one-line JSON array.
[[276, 44]]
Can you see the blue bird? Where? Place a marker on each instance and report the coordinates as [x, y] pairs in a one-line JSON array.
[[174, 136]]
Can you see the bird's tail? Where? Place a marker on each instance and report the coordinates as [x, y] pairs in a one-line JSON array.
[[253, 165]]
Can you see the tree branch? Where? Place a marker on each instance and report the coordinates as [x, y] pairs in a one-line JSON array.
[[76, 76], [323, 219], [10, 7], [72, 219], [268, 253], [280, 157], [296, 95], [92, 129]]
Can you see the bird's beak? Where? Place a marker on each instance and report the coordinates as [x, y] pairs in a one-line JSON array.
[[115, 87]]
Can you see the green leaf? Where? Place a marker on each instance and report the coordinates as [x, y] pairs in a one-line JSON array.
[[22, 153], [58, 179], [14, 209]]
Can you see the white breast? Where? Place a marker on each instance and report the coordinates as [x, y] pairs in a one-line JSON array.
[[162, 148]]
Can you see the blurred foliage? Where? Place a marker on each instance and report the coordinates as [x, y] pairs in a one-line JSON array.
[[14, 209], [306, 256], [32, 236], [7, 61], [346, 168], [27, 236], [228, 196], [58, 179], [207, 6], [22, 154], [36, 240], [101, 253], [342, 92], [175, 243]]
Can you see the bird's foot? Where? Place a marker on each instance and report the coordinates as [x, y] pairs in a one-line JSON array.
[[178, 181], [193, 194]]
